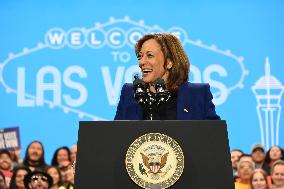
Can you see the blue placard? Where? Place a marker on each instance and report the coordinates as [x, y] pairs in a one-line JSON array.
[[10, 138]]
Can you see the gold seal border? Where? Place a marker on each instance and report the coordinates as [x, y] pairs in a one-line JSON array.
[[135, 141]]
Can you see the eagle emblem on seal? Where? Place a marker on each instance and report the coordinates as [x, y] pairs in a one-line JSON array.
[[155, 164]]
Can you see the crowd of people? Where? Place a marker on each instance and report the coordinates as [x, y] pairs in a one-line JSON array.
[[33, 172], [260, 169]]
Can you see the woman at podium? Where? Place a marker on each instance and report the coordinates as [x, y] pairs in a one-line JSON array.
[[164, 92]]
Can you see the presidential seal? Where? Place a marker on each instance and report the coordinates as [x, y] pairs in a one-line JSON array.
[[154, 161]]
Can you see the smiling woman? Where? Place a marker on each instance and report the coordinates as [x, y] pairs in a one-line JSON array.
[[258, 179], [162, 57]]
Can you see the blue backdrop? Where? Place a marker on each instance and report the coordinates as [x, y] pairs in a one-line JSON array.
[[66, 61]]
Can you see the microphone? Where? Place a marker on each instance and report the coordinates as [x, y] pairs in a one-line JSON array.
[[144, 97], [162, 95], [140, 90]]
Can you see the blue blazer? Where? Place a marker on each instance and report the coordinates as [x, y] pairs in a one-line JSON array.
[[194, 102]]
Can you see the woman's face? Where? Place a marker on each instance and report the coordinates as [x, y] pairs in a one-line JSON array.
[[151, 61], [62, 156], [54, 174], [258, 181], [275, 153], [20, 178]]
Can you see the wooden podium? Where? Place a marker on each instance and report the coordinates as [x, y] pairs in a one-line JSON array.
[[102, 147]]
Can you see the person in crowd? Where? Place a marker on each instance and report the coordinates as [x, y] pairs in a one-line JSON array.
[[6, 165], [73, 156], [67, 174], [235, 157], [245, 170], [38, 179], [16, 156], [246, 157], [273, 154], [34, 156], [162, 56], [54, 172], [277, 174], [258, 156], [258, 179], [61, 154], [73, 153], [3, 184], [17, 180]]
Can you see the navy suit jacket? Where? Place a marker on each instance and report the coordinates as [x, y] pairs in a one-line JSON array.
[[194, 102]]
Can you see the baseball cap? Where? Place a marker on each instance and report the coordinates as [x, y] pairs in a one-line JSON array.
[[257, 147]]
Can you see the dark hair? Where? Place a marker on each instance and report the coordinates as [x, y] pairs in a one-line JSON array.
[[15, 172], [58, 171], [54, 161], [41, 162], [3, 177], [173, 51], [267, 156], [40, 172], [4, 151]]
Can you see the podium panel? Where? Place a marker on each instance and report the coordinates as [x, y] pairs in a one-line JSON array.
[[102, 148]]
